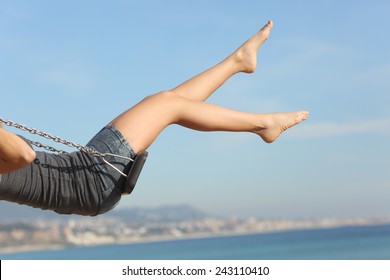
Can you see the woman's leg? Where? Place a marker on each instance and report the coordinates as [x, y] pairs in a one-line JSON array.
[[141, 124], [244, 59], [183, 105]]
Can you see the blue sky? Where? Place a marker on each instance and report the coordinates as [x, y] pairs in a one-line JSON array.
[[69, 67]]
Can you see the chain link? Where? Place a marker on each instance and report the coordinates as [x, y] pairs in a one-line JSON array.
[[71, 144], [84, 149]]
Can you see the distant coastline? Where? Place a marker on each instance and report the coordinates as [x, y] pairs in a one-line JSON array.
[[161, 238], [24, 229]]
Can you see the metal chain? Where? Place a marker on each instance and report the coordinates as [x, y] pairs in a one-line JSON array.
[[51, 137], [57, 139]]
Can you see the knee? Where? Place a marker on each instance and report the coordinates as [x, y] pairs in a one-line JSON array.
[[165, 97], [167, 103]]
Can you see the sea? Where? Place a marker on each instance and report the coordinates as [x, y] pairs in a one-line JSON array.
[[344, 243]]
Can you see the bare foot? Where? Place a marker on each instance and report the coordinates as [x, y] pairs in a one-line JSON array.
[[274, 124], [246, 55]]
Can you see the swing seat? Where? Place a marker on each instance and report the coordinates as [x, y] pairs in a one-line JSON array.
[[135, 171]]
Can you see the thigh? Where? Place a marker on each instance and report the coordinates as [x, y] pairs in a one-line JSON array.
[[141, 124]]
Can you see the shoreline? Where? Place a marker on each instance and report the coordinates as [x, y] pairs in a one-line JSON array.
[[155, 239]]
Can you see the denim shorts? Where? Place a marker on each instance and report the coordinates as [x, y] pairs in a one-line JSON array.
[[74, 183], [110, 140]]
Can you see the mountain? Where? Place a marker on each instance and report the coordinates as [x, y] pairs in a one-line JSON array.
[[171, 213], [11, 212]]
